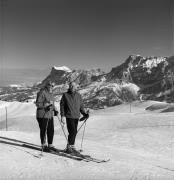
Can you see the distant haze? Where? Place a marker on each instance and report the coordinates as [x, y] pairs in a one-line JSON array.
[[22, 76]]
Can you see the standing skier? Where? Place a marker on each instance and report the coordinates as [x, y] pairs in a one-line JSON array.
[[71, 106], [45, 111]]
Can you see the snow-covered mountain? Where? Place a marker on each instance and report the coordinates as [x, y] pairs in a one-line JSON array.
[[149, 77], [62, 68], [62, 75], [154, 75], [145, 77], [97, 92]]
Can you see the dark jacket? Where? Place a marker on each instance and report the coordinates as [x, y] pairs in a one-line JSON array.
[[71, 105], [43, 97]]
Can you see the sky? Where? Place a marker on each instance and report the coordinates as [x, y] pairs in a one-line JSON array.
[[83, 33]]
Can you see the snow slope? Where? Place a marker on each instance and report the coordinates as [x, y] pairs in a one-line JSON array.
[[140, 144]]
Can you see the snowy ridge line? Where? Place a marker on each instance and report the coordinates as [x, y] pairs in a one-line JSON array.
[[62, 68]]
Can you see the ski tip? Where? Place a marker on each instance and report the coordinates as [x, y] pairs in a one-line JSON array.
[[106, 160], [39, 157]]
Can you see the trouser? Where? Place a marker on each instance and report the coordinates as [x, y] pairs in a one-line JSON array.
[[46, 127], [72, 130]]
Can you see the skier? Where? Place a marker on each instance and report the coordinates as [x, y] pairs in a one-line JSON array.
[[71, 106], [44, 115]]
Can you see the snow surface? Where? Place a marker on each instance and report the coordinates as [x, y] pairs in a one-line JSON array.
[[63, 68], [139, 143]]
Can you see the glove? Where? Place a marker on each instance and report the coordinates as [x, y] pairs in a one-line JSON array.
[[55, 113], [85, 116], [48, 108], [63, 119]]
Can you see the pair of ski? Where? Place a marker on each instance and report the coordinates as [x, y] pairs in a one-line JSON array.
[[83, 157], [78, 156], [18, 143]]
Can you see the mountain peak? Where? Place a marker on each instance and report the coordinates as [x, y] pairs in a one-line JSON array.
[[62, 68]]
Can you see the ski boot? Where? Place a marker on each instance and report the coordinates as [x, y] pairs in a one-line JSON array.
[[51, 147]]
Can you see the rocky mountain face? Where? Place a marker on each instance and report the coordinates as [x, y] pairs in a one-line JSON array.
[[82, 77], [149, 78], [96, 89], [138, 77], [153, 75]]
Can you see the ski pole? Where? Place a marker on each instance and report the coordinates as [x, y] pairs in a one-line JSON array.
[[82, 125], [62, 128], [84, 121], [83, 137]]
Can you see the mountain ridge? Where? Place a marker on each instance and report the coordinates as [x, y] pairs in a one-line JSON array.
[[147, 78]]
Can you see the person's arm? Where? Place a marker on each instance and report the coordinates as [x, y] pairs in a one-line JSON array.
[[83, 112], [40, 100], [82, 109], [62, 106]]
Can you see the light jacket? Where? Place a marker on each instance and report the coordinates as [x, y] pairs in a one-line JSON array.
[[71, 105], [43, 97]]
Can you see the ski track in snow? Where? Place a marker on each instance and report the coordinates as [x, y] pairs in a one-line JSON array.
[[140, 145]]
